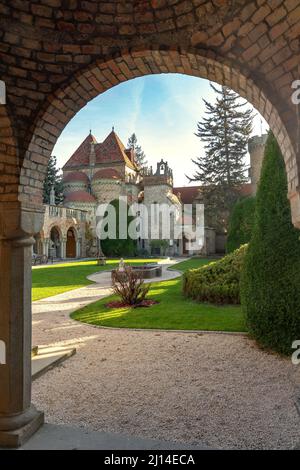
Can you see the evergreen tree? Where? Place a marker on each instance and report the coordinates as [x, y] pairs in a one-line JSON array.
[[53, 178], [225, 131], [140, 156], [240, 223], [270, 282]]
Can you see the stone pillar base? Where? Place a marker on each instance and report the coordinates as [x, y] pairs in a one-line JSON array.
[[14, 438]]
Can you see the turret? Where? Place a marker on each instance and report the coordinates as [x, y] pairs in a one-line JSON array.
[[162, 177], [256, 147]]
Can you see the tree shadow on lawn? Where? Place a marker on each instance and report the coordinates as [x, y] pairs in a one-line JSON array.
[[174, 311]]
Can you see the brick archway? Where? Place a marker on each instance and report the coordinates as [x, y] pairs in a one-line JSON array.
[[56, 55], [85, 85], [46, 47]]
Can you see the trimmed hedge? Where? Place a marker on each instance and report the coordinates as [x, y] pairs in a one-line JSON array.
[[217, 282], [270, 284], [240, 224]]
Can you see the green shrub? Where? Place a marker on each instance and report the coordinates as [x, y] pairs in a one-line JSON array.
[[240, 224], [217, 282], [159, 246], [270, 284]]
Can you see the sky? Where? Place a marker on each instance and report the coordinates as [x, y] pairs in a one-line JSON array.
[[162, 110]]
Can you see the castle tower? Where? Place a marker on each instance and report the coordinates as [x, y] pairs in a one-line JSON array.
[[158, 184], [106, 185], [256, 147], [158, 191]]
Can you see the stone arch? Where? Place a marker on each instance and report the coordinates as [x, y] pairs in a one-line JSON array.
[[56, 241], [58, 228], [88, 83], [53, 64], [72, 227], [71, 242]]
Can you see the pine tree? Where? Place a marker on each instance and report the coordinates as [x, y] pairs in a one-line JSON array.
[[140, 156], [53, 178], [241, 223], [270, 281], [225, 131]]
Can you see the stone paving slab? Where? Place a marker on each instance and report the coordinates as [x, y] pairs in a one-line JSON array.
[[54, 437], [49, 357]]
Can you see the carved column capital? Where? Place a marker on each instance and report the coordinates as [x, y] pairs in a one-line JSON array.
[[18, 221]]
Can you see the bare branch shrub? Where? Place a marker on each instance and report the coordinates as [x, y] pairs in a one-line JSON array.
[[129, 286]]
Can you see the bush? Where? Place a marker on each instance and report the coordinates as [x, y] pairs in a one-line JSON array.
[[217, 282], [270, 284], [159, 247], [240, 224], [129, 286]]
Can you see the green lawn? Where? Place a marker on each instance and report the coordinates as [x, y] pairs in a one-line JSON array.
[[173, 311], [57, 278]]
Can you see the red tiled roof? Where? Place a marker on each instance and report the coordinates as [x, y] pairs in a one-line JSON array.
[[76, 176], [110, 150], [81, 155], [187, 193], [108, 173], [79, 196]]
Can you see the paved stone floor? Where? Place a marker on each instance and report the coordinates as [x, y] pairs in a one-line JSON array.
[[194, 388], [54, 437]]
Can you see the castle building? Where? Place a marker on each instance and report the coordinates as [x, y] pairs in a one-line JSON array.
[[256, 146], [100, 172]]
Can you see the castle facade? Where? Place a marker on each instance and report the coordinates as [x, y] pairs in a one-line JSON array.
[[99, 173]]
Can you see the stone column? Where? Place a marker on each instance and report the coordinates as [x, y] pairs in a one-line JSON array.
[[46, 246], [78, 248], [18, 418], [180, 247], [63, 248]]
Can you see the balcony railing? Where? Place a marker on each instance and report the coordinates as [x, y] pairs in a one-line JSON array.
[[55, 211], [66, 213], [71, 213]]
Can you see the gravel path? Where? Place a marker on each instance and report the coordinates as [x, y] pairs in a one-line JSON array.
[[219, 389]]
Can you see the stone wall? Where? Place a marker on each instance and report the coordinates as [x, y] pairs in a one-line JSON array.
[[71, 186], [106, 190]]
